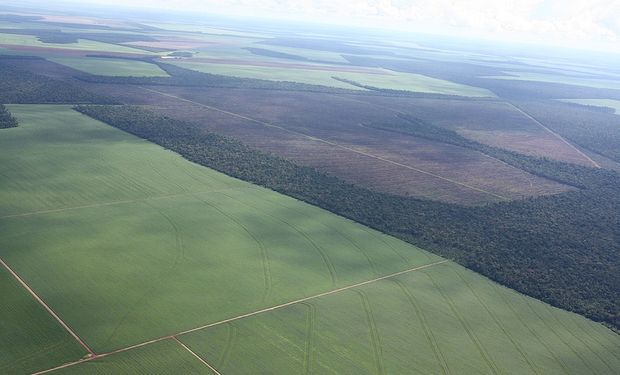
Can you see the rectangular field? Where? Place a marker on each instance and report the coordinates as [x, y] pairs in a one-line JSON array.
[[111, 67], [86, 205]]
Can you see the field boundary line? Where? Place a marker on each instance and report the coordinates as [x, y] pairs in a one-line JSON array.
[[113, 203], [49, 309], [196, 355], [334, 144], [153, 341], [555, 135]]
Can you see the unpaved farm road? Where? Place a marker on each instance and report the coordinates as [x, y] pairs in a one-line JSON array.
[[175, 336]]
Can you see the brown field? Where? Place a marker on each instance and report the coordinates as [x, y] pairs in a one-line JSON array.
[[494, 123], [298, 126], [327, 132]]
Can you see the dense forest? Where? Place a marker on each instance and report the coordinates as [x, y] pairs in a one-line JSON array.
[[562, 249], [6, 119], [22, 86], [593, 128]]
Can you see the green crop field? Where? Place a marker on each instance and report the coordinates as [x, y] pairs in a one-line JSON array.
[[111, 67], [443, 319], [128, 243], [610, 103], [30, 338], [81, 45], [586, 81], [379, 78], [164, 357]]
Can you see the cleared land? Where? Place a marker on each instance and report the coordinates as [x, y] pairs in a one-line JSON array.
[[111, 67], [128, 243], [314, 130], [25, 43], [217, 247], [31, 339], [383, 79], [440, 320]]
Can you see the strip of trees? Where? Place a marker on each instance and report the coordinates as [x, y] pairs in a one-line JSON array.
[[563, 249]]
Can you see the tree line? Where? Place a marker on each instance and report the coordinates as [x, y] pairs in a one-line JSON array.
[[562, 249]]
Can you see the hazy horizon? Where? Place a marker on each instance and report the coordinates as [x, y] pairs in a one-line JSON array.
[[579, 24]]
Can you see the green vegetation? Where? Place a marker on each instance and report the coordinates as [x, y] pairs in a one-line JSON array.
[[22, 86], [128, 242], [81, 45], [6, 120], [375, 78], [542, 256], [586, 81], [111, 67], [613, 105], [164, 357], [306, 76], [444, 319], [31, 339]]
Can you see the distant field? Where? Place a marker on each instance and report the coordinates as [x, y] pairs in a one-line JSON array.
[[217, 247], [111, 67], [128, 242], [609, 103], [380, 78], [442, 320], [360, 154], [22, 42], [563, 79]]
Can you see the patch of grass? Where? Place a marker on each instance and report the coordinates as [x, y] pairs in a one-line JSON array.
[[129, 242], [111, 67], [164, 357], [30, 339], [443, 319]]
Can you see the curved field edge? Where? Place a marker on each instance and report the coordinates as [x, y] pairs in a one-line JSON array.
[[84, 206], [453, 322]]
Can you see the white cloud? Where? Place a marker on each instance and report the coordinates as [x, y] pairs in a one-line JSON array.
[[571, 22]]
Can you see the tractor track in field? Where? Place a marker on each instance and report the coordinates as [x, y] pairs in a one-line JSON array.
[[239, 317], [113, 203], [375, 337], [555, 333], [532, 331], [309, 347], [330, 143], [328, 263], [497, 322], [472, 336], [579, 339], [428, 332], [371, 263], [231, 340], [268, 283]]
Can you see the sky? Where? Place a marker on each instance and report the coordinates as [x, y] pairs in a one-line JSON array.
[[584, 24]]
